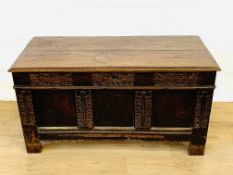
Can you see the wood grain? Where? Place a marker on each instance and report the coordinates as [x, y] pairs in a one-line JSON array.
[[109, 54], [57, 64], [124, 157]]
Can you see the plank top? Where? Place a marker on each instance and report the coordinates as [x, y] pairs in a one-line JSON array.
[[109, 54]]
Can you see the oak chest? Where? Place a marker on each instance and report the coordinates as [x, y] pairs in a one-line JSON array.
[[153, 87]]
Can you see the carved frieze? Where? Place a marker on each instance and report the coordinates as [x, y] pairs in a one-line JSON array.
[[51, 79], [176, 78], [113, 79]]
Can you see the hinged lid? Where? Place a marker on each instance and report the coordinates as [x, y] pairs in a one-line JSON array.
[[115, 54]]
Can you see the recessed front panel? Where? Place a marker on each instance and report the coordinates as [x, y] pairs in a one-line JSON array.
[[54, 107], [173, 108], [113, 107]]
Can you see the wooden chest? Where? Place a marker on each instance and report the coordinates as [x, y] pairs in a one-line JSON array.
[[153, 87]]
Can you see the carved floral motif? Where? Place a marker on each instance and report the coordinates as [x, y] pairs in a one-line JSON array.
[[51, 79], [176, 78], [143, 109], [203, 108], [25, 106], [113, 79], [27, 116], [83, 100]]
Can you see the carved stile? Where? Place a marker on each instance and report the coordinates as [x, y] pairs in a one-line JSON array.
[[202, 110], [25, 106], [27, 116], [84, 109], [201, 122], [143, 109]]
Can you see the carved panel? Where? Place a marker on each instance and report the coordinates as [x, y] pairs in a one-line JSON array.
[[143, 109], [84, 109], [176, 78], [203, 108], [51, 79], [113, 79], [25, 105]]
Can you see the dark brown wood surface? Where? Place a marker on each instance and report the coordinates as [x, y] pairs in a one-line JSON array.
[[119, 54], [117, 80], [115, 87]]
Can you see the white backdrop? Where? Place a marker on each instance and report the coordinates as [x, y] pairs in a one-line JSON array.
[[211, 20]]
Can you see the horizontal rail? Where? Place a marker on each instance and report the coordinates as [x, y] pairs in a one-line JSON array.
[[100, 128], [113, 132], [116, 87]]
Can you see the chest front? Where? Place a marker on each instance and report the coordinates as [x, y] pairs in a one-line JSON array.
[[115, 87]]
